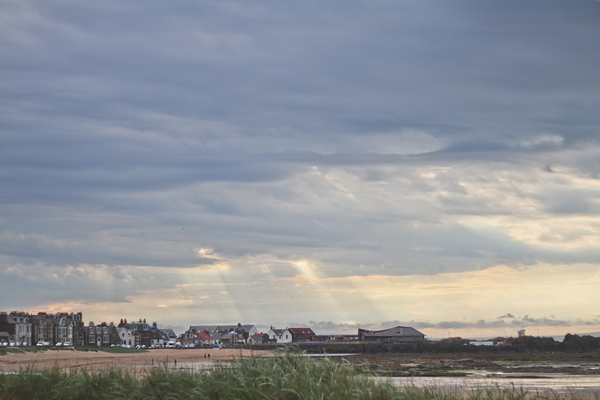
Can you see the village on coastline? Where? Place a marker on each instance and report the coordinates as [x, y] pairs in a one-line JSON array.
[[19, 328], [61, 329]]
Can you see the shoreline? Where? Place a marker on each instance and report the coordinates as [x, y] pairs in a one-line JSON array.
[[99, 359], [390, 364]]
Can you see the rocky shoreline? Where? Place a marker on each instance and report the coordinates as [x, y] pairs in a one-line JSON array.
[[394, 364]]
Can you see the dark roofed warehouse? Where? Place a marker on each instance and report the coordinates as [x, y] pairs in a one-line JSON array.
[[395, 334]]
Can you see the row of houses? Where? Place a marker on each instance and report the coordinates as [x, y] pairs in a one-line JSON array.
[[63, 328], [129, 334], [24, 329], [233, 335]]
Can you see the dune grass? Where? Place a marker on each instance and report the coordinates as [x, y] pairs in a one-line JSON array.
[[284, 377]]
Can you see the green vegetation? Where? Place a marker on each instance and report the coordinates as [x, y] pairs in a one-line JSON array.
[[35, 349], [6, 350], [515, 363], [121, 350], [284, 377], [524, 344], [24, 349], [110, 349]]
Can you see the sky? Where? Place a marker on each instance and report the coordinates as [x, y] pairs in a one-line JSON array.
[[336, 165]]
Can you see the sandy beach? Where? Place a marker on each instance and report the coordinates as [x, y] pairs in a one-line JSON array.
[[69, 359]]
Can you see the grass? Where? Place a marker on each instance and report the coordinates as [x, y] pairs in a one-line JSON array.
[[110, 349], [513, 363], [285, 377], [29, 349], [35, 349], [121, 350]]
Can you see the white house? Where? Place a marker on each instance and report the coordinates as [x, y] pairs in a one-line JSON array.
[[23, 327], [125, 335], [279, 335], [64, 330], [170, 334]]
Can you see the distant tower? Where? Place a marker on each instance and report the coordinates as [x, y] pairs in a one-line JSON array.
[[522, 332]]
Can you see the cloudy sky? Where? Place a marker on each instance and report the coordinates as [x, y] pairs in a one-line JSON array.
[[331, 164]]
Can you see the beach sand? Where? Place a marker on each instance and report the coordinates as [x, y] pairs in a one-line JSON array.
[[71, 359]]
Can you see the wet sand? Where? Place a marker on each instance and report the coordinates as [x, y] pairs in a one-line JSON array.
[[396, 364], [70, 359]]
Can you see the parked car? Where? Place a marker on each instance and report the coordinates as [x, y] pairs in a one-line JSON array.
[[40, 343], [66, 344], [59, 344]]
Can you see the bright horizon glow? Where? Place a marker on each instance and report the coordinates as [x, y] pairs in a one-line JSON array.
[[446, 303]]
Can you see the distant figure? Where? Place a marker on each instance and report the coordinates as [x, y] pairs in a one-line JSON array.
[[205, 356], [175, 363], [209, 356]]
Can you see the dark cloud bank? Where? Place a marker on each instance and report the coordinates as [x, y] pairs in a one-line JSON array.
[[359, 134]]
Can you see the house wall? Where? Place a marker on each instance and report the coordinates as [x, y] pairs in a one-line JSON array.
[[280, 336], [23, 329], [8, 327], [126, 337]]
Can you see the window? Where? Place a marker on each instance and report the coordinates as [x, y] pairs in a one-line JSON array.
[[105, 338], [92, 338]]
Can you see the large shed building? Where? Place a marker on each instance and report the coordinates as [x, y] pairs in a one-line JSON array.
[[395, 334]]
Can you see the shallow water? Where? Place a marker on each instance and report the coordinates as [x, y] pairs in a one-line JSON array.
[[555, 382]]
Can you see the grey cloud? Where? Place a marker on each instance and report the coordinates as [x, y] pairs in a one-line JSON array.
[[88, 284], [134, 137], [507, 315]]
